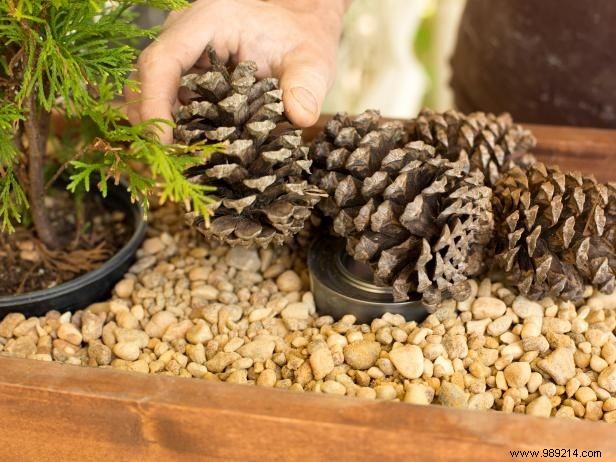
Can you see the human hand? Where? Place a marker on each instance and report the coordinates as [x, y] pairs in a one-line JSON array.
[[294, 40]]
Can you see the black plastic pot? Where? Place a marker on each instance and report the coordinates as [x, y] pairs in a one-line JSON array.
[[93, 286]]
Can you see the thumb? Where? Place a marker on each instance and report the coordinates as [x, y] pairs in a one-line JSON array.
[[305, 81]]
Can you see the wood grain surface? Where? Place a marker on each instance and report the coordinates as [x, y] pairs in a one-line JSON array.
[[53, 412]]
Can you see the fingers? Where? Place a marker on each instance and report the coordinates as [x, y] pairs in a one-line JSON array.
[[305, 80], [161, 66]]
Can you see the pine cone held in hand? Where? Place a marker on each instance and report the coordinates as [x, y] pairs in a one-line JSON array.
[[261, 177]]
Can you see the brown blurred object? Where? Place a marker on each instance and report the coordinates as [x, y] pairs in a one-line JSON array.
[[549, 61]]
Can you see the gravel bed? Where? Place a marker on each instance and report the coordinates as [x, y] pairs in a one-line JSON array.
[[243, 316]]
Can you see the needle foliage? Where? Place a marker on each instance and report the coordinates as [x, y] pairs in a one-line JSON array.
[[72, 58]]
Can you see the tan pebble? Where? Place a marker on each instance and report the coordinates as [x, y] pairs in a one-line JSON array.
[[526, 308], [479, 370], [233, 344], [28, 326], [100, 353], [485, 288], [129, 351], [22, 347], [267, 378], [9, 323], [221, 360], [456, 346], [508, 404], [408, 361], [607, 379], [139, 366], [593, 411], [289, 281], [243, 259], [481, 401], [238, 376], [577, 407], [608, 352], [585, 394], [556, 325], [260, 349], [91, 326], [452, 395], [488, 307], [199, 274], [176, 331], [538, 343], [602, 301], [385, 392], [205, 292], [609, 404], [547, 389], [65, 317], [565, 412], [443, 367], [559, 365], [477, 327], [333, 387], [126, 320], [124, 288], [539, 407], [70, 333], [597, 337], [296, 310], [196, 370], [610, 417], [108, 336], [322, 362], [153, 245], [259, 314], [97, 308], [417, 393], [517, 374], [361, 354], [418, 335], [132, 336], [501, 382], [572, 386], [597, 363], [499, 326], [117, 306], [199, 333], [159, 323]]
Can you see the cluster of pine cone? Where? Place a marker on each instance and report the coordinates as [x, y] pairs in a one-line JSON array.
[[427, 203]]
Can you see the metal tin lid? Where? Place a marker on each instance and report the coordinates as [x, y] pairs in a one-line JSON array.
[[341, 285]]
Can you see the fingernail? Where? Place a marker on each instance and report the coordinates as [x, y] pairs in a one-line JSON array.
[[305, 99]]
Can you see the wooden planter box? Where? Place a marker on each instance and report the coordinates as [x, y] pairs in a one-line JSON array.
[[61, 413]]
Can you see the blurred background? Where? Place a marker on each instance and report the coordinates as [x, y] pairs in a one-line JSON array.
[[394, 55], [396, 62]]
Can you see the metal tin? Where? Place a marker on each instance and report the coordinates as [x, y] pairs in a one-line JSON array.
[[341, 285]]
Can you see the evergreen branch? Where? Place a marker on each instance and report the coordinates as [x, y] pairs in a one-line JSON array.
[[13, 201]]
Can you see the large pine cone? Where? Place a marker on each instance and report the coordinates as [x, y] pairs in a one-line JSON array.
[[261, 178], [555, 232], [490, 141], [421, 221]]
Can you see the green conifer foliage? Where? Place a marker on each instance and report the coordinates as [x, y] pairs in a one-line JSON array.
[[73, 57]]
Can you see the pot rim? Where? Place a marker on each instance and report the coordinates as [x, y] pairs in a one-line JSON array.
[[109, 266]]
